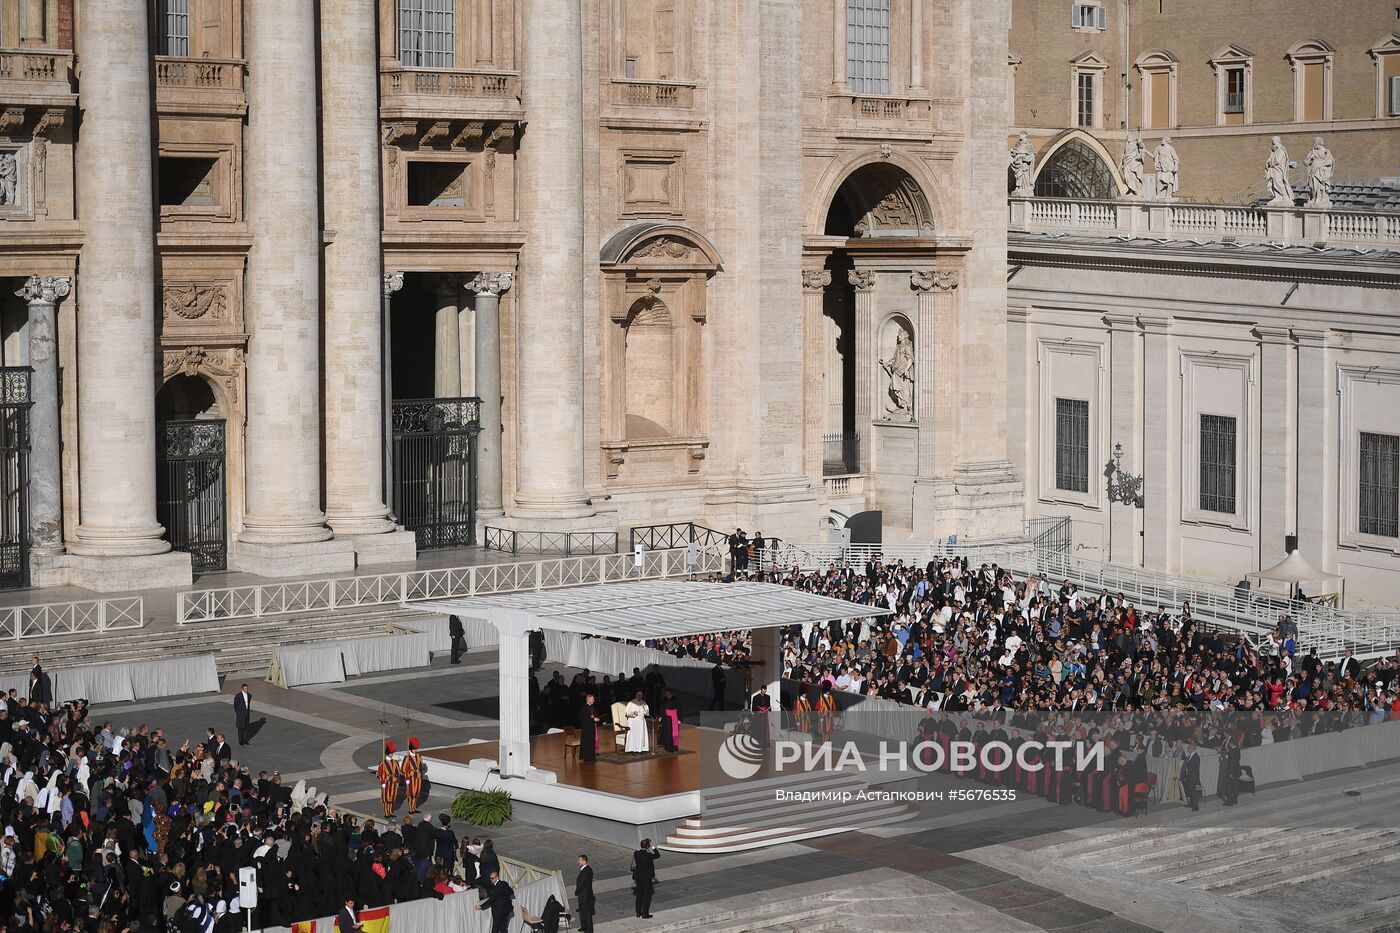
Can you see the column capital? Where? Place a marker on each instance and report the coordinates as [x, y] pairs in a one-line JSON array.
[[491, 284], [45, 288], [393, 281], [941, 280], [862, 279], [815, 280]]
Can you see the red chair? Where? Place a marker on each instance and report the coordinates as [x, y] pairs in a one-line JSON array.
[[1143, 795]]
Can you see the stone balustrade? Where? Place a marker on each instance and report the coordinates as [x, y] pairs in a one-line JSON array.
[[639, 93], [34, 64], [1209, 222], [222, 74], [499, 85]]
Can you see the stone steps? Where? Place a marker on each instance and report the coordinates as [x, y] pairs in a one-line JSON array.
[[803, 914], [1375, 916]]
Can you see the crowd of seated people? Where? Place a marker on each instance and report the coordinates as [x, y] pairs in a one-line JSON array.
[[120, 831]]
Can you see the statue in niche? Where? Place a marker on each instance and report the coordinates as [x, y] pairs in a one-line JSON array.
[[9, 178], [1276, 174], [1134, 155], [900, 368], [1320, 164], [1022, 166]]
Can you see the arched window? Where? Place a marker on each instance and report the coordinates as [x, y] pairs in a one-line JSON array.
[[1076, 171]]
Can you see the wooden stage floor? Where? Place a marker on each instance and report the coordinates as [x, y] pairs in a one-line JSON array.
[[654, 777]]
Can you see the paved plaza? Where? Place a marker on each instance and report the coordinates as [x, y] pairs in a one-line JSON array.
[[973, 867]]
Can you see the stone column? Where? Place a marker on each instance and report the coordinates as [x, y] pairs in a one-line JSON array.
[[1123, 425], [936, 372], [118, 543], [488, 287], [864, 282], [1277, 437], [549, 380], [814, 283], [45, 467], [840, 81], [284, 530], [916, 46], [466, 350], [1317, 515], [355, 504], [447, 354], [391, 283], [1161, 477]]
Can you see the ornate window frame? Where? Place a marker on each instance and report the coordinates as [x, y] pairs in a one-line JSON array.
[[1311, 52], [1087, 62], [1192, 408], [1233, 56], [1381, 53], [1349, 453], [1049, 350], [1150, 63]]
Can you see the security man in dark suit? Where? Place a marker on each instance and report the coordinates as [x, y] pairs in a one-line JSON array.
[[346, 920], [1191, 776], [500, 898], [583, 895], [459, 638]]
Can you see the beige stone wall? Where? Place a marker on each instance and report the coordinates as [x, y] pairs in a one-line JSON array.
[[1218, 162]]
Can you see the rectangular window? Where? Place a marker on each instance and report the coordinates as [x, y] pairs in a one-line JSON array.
[[1088, 16], [1234, 90], [1084, 98], [426, 34], [1218, 464], [1379, 474], [173, 27], [1392, 96], [1072, 444], [1314, 90], [868, 46]]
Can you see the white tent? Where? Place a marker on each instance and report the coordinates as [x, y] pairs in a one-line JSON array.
[[1298, 579], [635, 610]]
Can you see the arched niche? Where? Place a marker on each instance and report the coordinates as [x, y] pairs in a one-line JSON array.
[[186, 398], [1075, 165], [897, 375], [879, 200], [656, 300], [649, 390]]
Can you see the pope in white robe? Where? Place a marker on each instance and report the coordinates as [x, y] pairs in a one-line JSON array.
[[638, 735]]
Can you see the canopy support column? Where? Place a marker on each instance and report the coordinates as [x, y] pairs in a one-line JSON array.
[[515, 703]]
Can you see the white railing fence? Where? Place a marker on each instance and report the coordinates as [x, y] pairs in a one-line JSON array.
[[72, 618], [1253, 614], [330, 595]]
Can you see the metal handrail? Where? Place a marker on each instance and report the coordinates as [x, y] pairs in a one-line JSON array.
[[72, 618], [567, 543], [333, 594], [675, 534]]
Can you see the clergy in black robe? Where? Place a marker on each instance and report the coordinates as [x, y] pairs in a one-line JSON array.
[[588, 720], [762, 705]]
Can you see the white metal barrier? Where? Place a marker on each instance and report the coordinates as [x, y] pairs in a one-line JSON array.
[[1331, 631], [72, 618], [329, 595]]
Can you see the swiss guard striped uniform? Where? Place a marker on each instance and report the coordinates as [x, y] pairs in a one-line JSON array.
[[412, 770], [388, 774], [826, 712], [802, 710]]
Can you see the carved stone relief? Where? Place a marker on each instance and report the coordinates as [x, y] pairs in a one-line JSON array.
[[9, 179], [664, 248], [223, 366], [195, 302]]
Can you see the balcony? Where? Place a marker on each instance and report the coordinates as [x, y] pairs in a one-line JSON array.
[[42, 77], [439, 93], [200, 86], [634, 92], [840, 454], [1227, 226]]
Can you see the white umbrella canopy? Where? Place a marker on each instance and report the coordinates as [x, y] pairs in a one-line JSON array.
[[1293, 574]]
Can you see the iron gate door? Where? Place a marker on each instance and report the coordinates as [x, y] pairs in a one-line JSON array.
[[190, 491], [14, 477], [435, 470]]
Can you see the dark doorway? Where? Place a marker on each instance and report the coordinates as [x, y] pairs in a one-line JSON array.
[[435, 469], [191, 493], [14, 477]]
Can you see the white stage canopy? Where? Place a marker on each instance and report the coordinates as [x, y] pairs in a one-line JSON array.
[[635, 611]]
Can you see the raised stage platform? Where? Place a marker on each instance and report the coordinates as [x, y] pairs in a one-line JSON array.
[[666, 798]]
